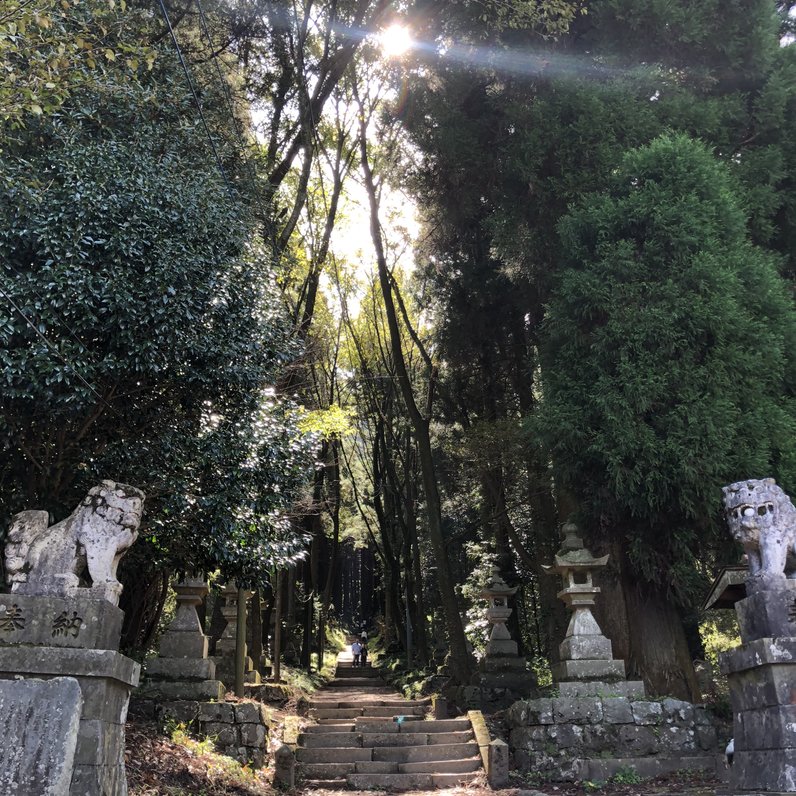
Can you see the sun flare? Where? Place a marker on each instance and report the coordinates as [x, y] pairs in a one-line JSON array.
[[395, 41]]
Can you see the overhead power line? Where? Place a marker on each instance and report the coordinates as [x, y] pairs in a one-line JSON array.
[[195, 97]]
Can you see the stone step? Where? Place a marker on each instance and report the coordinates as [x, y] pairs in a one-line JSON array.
[[460, 736], [410, 724], [391, 711], [438, 725], [356, 671], [332, 739], [370, 712], [326, 770], [336, 770], [466, 766], [315, 740], [324, 784], [365, 725], [375, 767], [452, 780], [335, 713], [368, 702], [357, 682], [314, 729], [372, 739], [399, 754], [407, 781], [339, 770], [390, 781], [374, 720], [414, 738], [333, 755], [417, 754]]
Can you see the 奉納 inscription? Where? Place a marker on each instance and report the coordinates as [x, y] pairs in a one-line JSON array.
[[12, 620], [63, 624]]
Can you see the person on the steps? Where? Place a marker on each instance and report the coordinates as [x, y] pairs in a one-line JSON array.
[[356, 651], [364, 654]]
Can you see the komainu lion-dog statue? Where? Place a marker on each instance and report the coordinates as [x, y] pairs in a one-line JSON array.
[[52, 560], [763, 519]]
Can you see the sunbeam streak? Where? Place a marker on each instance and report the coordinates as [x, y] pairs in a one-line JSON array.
[[523, 63]]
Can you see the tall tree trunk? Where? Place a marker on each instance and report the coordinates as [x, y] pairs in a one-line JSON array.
[[460, 660], [389, 612], [645, 629], [256, 627], [421, 633], [494, 503], [276, 661], [290, 608], [331, 572], [312, 525]]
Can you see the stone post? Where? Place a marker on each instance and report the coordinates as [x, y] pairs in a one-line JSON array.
[[51, 627], [227, 644], [439, 706], [761, 673], [285, 767], [498, 776], [182, 669]]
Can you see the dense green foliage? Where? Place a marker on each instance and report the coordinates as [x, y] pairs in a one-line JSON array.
[[668, 365], [49, 48], [158, 327]]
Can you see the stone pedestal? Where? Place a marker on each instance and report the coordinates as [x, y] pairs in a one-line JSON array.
[[762, 680], [41, 637], [182, 669], [768, 614], [225, 646]]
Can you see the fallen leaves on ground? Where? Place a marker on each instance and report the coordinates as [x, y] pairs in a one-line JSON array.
[[157, 766]]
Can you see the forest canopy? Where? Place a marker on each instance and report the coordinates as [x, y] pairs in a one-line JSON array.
[[327, 302]]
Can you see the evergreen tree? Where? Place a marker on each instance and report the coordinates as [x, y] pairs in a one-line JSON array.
[[668, 371]]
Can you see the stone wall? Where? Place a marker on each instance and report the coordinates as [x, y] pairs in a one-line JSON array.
[[571, 738], [238, 729]]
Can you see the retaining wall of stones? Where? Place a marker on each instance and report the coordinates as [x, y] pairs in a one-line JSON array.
[[238, 729], [562, 737]]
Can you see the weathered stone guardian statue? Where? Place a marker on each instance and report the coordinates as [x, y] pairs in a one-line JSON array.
[[762, 672], [93, 538], [61, 621], [762, 518]]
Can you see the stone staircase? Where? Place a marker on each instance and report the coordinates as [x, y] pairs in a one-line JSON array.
[[365, 736]]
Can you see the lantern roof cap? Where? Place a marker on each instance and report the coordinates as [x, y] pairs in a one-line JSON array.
[[496, 586], [573, 553]]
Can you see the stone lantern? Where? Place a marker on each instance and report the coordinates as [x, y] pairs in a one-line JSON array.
[[502, 668], [586, 654], [497, 593], [182, 669]]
